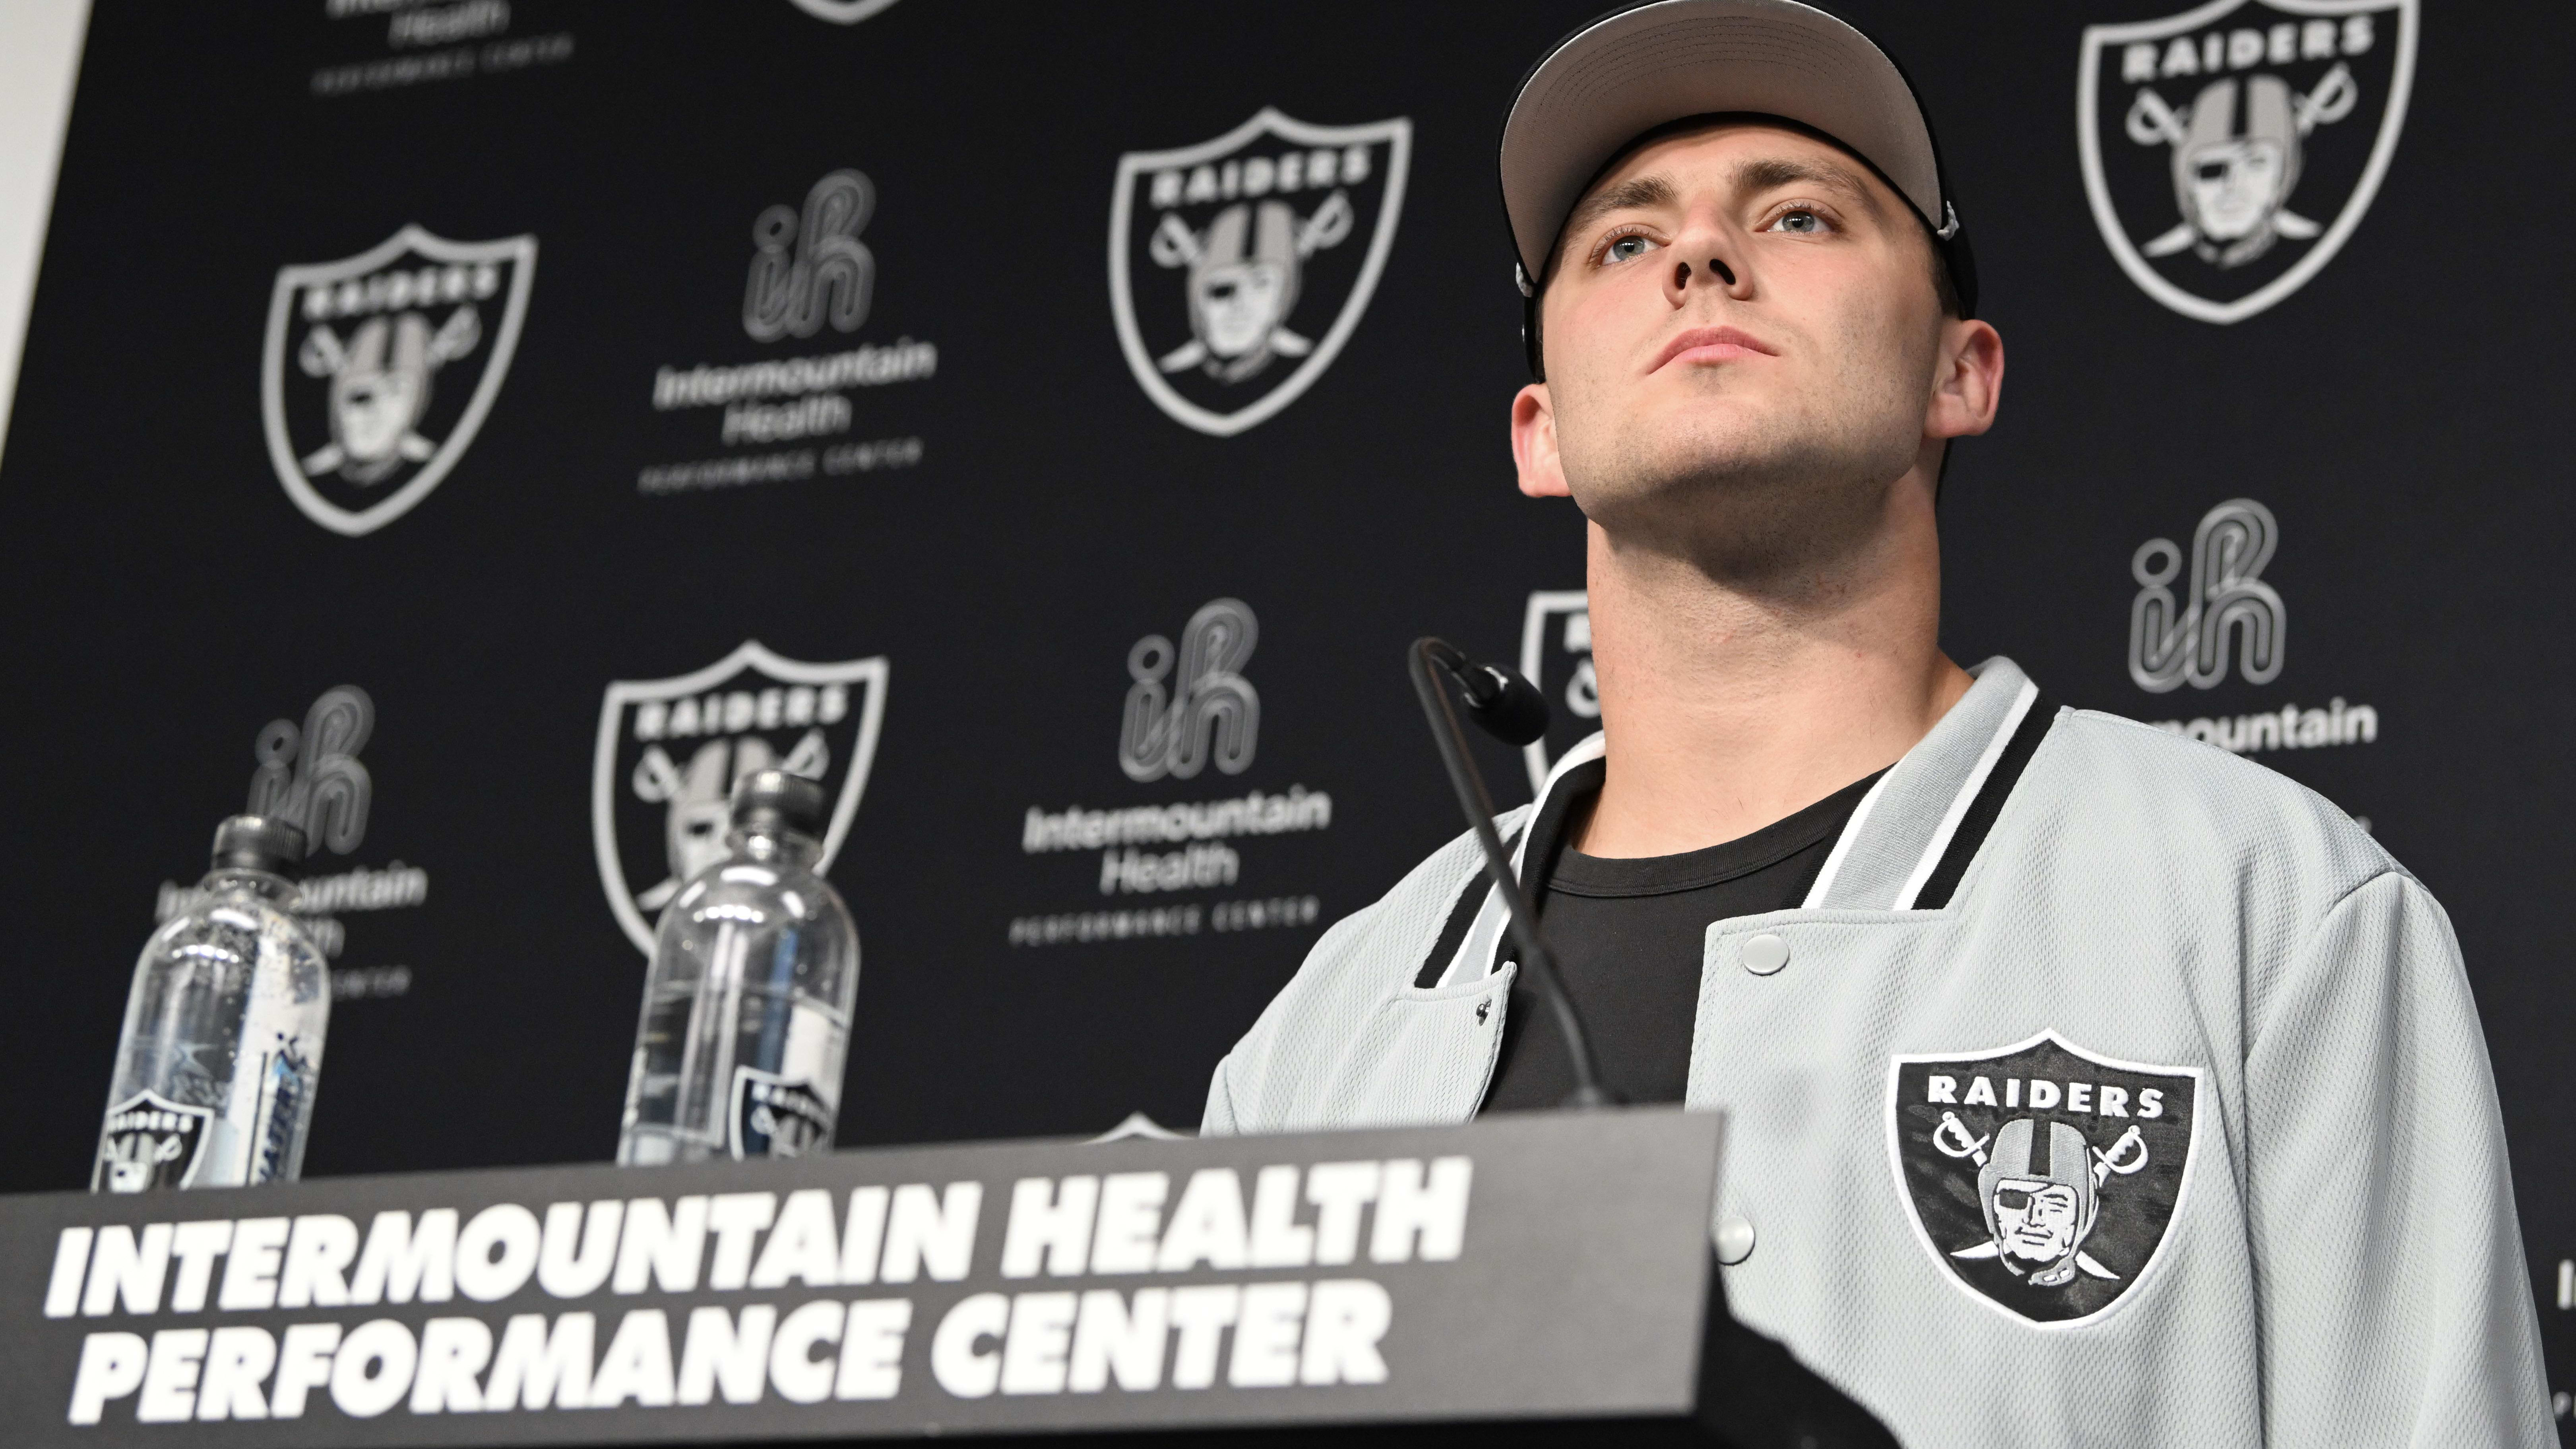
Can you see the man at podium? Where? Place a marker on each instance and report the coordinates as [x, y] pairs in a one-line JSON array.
[[2087, 1085]]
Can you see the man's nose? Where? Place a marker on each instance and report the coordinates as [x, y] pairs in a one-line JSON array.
[[1705, 257]]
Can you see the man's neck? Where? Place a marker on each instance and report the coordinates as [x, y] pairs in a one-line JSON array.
[[1728, 707]]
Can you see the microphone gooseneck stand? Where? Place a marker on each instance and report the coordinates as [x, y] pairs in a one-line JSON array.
[[1753, 1392], [1506, 706]]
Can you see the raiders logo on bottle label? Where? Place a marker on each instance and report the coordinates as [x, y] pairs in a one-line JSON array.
[[2042, 1177], [150, 1142], [774, 1117]]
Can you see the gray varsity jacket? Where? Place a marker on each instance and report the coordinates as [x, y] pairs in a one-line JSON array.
[[2106, 1089]]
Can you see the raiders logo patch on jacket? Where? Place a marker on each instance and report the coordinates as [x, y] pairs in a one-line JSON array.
[[2041, 1176]]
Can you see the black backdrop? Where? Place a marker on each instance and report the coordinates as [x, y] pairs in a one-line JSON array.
[[1003, 515]]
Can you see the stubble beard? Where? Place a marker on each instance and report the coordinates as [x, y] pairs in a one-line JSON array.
[[1775, 502]]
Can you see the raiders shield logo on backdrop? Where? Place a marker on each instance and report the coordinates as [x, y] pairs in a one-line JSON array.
[[2230, 151], [1239, 267], [670, 751], [380, 368], [2043, 1178], [1556, 655]]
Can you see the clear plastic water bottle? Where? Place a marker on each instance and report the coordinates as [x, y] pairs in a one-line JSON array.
[[747, 1004], [223, 1032]]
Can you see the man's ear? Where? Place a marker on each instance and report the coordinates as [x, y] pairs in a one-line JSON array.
[[1967, 381], [1542, 470]]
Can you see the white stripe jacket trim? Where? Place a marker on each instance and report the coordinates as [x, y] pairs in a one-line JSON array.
[[2344, 1268]]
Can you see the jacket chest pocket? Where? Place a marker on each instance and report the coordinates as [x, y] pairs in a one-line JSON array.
[[1423, 1057]]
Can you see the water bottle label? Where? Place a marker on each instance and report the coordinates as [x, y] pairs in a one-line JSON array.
[[775, 1117], [285, 1082], [150, 1142]]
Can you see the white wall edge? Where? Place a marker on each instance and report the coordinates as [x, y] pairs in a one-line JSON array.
[[40, 49]]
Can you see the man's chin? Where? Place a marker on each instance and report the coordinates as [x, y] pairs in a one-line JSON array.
[[1690, 474], [1746, 516]]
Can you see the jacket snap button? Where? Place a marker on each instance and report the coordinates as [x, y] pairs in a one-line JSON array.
[[1734, 1238], [1765, 954]]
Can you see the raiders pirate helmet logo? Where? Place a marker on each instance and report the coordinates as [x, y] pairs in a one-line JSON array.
[[1239, 267], [151, 1143], [775, 1117], [2041, 1177], [2230, 151], [379, 370], [670, 751]]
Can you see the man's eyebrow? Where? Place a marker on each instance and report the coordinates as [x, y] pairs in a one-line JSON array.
[[1772, 173], [1634, 194]]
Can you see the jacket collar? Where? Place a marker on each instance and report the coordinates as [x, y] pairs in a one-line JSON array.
[[1906, 846], [1901, 833]]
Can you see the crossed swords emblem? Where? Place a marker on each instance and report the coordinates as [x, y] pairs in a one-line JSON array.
[[1173, 244], [2127, 1155], [2154, 121]]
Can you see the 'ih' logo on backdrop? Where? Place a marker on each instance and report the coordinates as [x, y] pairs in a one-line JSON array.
[[379, 369], [1238, 267], [2172, 640], [1208, 713], [670, 751], [2230, 151]]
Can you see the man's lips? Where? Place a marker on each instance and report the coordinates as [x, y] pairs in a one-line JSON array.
[[1709, 345]]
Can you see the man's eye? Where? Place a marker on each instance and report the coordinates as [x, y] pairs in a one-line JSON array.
[[1801, 221], [1626, 248]]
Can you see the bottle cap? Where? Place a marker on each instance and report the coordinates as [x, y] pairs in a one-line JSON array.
[[775, 800], [258, 842]]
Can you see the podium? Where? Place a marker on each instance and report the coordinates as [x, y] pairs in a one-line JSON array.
[[1528, 1277]]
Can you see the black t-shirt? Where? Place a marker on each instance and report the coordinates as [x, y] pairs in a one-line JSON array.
[[1628, 937]]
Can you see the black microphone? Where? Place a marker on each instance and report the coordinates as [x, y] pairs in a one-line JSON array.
[[1510, 708], [1499, 700]]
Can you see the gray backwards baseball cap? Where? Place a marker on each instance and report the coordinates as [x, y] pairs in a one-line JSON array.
[[1637, 69]]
